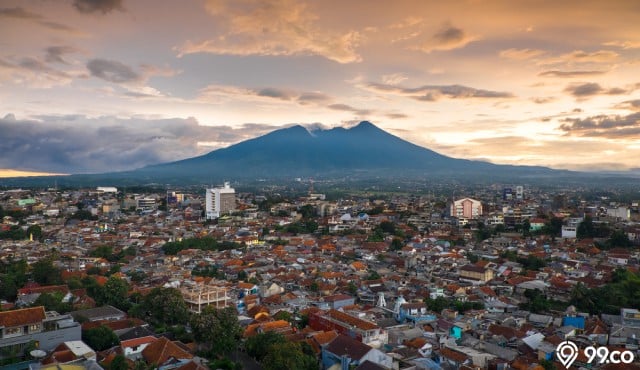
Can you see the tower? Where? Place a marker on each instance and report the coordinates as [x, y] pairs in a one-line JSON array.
[[219, 201]]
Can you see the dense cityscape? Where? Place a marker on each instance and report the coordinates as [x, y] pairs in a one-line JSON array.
[[280, 278]]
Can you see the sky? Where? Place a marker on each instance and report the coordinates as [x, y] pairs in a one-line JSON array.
[[91, 86]]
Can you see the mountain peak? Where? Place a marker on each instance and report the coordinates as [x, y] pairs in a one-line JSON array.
[[365, 125]]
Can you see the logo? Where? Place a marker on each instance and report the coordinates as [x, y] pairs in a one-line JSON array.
[[567, 352]]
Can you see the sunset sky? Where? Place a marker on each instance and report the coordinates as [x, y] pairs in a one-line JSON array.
[[97, 86]]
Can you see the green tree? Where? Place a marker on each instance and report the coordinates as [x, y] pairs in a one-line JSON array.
[[258, 346], [119, 363], [217, 330], [585, 228], [165, 306], [288, 355], [396, 244], [618, 239], [45, 273], [115, 293], [352, 288], [438, 304], [100, 338], [35, 231]]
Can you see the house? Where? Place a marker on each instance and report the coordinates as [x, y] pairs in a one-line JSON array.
[[347, 353], [47, 329], [354, 327], [338, 301], [476, 274], [132, 348], [104, 313], [165, 354]]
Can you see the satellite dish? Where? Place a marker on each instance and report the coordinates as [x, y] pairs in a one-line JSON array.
[[38, 353]]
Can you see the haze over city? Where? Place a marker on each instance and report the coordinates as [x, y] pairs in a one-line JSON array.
[[98, 86]]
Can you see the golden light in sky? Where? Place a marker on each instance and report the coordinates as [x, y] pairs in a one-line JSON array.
[[96, 86]]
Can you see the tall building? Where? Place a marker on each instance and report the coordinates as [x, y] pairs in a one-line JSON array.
[[466, 208], [220, 201]]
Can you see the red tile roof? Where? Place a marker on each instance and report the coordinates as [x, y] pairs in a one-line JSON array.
[[23, 316], [163, 349]]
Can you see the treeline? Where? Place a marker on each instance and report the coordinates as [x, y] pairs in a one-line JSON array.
[[207, 244]]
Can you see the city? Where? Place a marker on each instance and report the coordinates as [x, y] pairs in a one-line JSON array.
[[319, 185], [493, 280]]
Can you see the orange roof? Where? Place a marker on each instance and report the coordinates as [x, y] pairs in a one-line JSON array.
[[137, 341], [163, 349], [325, 337], [351, 320], [22, 317]]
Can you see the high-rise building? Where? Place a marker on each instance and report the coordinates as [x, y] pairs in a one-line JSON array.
[[466, 208], [220, 201]]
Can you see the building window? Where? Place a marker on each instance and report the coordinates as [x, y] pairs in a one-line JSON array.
[[10, 332], [34, 328]]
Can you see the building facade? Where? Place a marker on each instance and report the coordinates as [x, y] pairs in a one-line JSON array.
[[466, 208], [219, 201], [45, 330]]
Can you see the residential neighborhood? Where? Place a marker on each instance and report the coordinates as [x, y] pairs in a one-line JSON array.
[[492, 278]]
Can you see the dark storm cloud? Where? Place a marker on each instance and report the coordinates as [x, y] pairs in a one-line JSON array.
[[97, 6], [570, 74], [77, 144], [112, 71], [591, 88], [609, 126], [435, 92]]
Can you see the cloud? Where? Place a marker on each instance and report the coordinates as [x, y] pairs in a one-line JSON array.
[[112, 71], [35, 73], [313, 97], [272, 92], [521, 54], [274, 27], [54, 54], [18, 13], [633, 105], [570, 74], [543, 100], [607, 126], [585, 90], [348, 108], [78, 144], [436, 92], [22, 14], [446, 38], [579, 56], [624, 44], [396, 115], [394, 78], [97, 6]]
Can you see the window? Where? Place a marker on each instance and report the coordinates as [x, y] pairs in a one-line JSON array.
[[34, 328], [10, 332]]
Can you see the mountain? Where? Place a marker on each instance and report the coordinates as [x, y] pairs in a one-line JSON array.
[[361, 153], [363, 150]]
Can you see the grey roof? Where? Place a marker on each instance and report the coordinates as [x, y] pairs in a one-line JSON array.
[[94, 314]]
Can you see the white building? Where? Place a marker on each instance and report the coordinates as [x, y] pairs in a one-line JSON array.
[[466, 208], [219, 201]]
